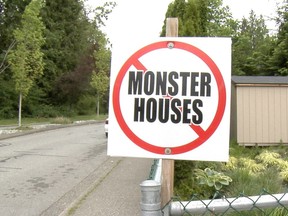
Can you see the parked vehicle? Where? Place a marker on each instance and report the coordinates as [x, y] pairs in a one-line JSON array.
[[106, 127]]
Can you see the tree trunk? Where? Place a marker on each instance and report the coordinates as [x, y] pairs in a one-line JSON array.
[[98, 108], [20, 110]]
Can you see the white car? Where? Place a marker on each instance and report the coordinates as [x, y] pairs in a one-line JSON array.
[[106, 127]]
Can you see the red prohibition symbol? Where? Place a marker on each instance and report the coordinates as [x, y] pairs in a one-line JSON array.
[[203, 135]]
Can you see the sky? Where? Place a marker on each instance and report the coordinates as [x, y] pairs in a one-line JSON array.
[[144, 18]]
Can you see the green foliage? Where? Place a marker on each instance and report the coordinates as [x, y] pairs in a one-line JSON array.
[[101, 13], [100, 78], [185, 181], [100, 83], [212, 178], [75, 47], [8, 99], [86, 105], [201, 18], [70, 55], [44, 111], [249, 183], [273, 160], [10, 15], [268, 158], [252, 47], [244, 163], [66, 40], [279, 59], [26, 59], [248, 171], [219, 20]]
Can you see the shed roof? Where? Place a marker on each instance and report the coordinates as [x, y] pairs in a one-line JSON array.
[[260, 79]]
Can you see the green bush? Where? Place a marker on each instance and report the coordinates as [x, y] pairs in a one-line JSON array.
[[45, 111], [251, 169], [86, 105], [8, 112]]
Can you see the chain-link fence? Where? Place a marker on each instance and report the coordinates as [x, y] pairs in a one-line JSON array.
[[260, 205], [263, 204]]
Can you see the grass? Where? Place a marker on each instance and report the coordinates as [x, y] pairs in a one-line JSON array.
[[89, 117], [61, 120], [25, 121], [57, 120]]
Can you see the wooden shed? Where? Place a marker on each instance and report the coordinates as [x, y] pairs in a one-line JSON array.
[[259, 110]]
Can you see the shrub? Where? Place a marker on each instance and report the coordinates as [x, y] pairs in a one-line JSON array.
[[45, 111], [86, 105], [251, 169], [8, 112], [269, 158]]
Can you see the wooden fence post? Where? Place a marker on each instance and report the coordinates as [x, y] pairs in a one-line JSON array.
[[167, 164]]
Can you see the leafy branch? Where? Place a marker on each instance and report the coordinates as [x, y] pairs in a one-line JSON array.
[[4, 66]]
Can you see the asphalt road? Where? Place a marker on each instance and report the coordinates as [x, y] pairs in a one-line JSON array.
[[42, 173]]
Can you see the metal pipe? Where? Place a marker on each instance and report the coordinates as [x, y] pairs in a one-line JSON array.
[[150, 198], [158, 171]]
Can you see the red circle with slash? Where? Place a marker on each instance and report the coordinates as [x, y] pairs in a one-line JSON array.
[[203, 135]]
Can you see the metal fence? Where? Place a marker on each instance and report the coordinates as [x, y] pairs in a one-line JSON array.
[[263, 204]]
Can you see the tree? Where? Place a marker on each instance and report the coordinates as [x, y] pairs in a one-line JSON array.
[[3, 65], [67, 40], [252, 47], [201, 18], [279, 59], [71, 86], [26, 60], [100, 83], [10, 16], [102, 54], [68, 57], [100, 79], [217, 18]]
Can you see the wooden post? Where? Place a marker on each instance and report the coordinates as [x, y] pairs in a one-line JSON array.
[[168, 165], [172, 27]]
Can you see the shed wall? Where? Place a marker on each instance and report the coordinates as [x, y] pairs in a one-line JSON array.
[[233, 114], [262, 115]]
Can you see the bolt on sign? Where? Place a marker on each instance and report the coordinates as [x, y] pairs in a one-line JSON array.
[[170, 98]]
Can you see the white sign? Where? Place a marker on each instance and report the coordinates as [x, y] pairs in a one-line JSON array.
[[170, 98]]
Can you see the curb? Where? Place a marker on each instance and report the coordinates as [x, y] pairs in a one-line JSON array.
[[106, 168], [48, 128]]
